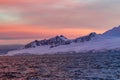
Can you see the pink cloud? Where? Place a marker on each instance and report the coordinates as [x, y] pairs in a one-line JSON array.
[[50, 15]]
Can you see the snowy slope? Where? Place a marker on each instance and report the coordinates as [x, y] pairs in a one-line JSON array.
[[115, 32], [99, 45], [109, 40]]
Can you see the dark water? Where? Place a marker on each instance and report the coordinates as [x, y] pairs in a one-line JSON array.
[[88, 66]]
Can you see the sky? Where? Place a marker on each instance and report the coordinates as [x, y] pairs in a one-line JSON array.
[[22, 21]]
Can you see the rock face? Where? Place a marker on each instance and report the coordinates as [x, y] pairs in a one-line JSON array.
[[52, 42]]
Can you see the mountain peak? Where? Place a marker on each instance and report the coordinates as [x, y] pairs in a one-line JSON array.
[[61, 37], [92, 34], [85, 38], [55, 41]]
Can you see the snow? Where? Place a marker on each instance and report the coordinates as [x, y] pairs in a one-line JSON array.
[[97, 45], [115, 32]]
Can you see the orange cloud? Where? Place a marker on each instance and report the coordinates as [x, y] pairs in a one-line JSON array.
[[39, 32]]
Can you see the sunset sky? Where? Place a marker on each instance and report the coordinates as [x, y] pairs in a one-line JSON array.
[[22, 21]]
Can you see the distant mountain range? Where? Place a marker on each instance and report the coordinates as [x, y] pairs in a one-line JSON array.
[[109, 40], [60, 40]]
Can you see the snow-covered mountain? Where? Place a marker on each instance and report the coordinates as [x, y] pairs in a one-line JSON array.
[[110, 40], [52, 42], [60, 40]]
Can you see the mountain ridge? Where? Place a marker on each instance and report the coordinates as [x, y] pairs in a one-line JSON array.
[[60, 40], [90, 42]]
